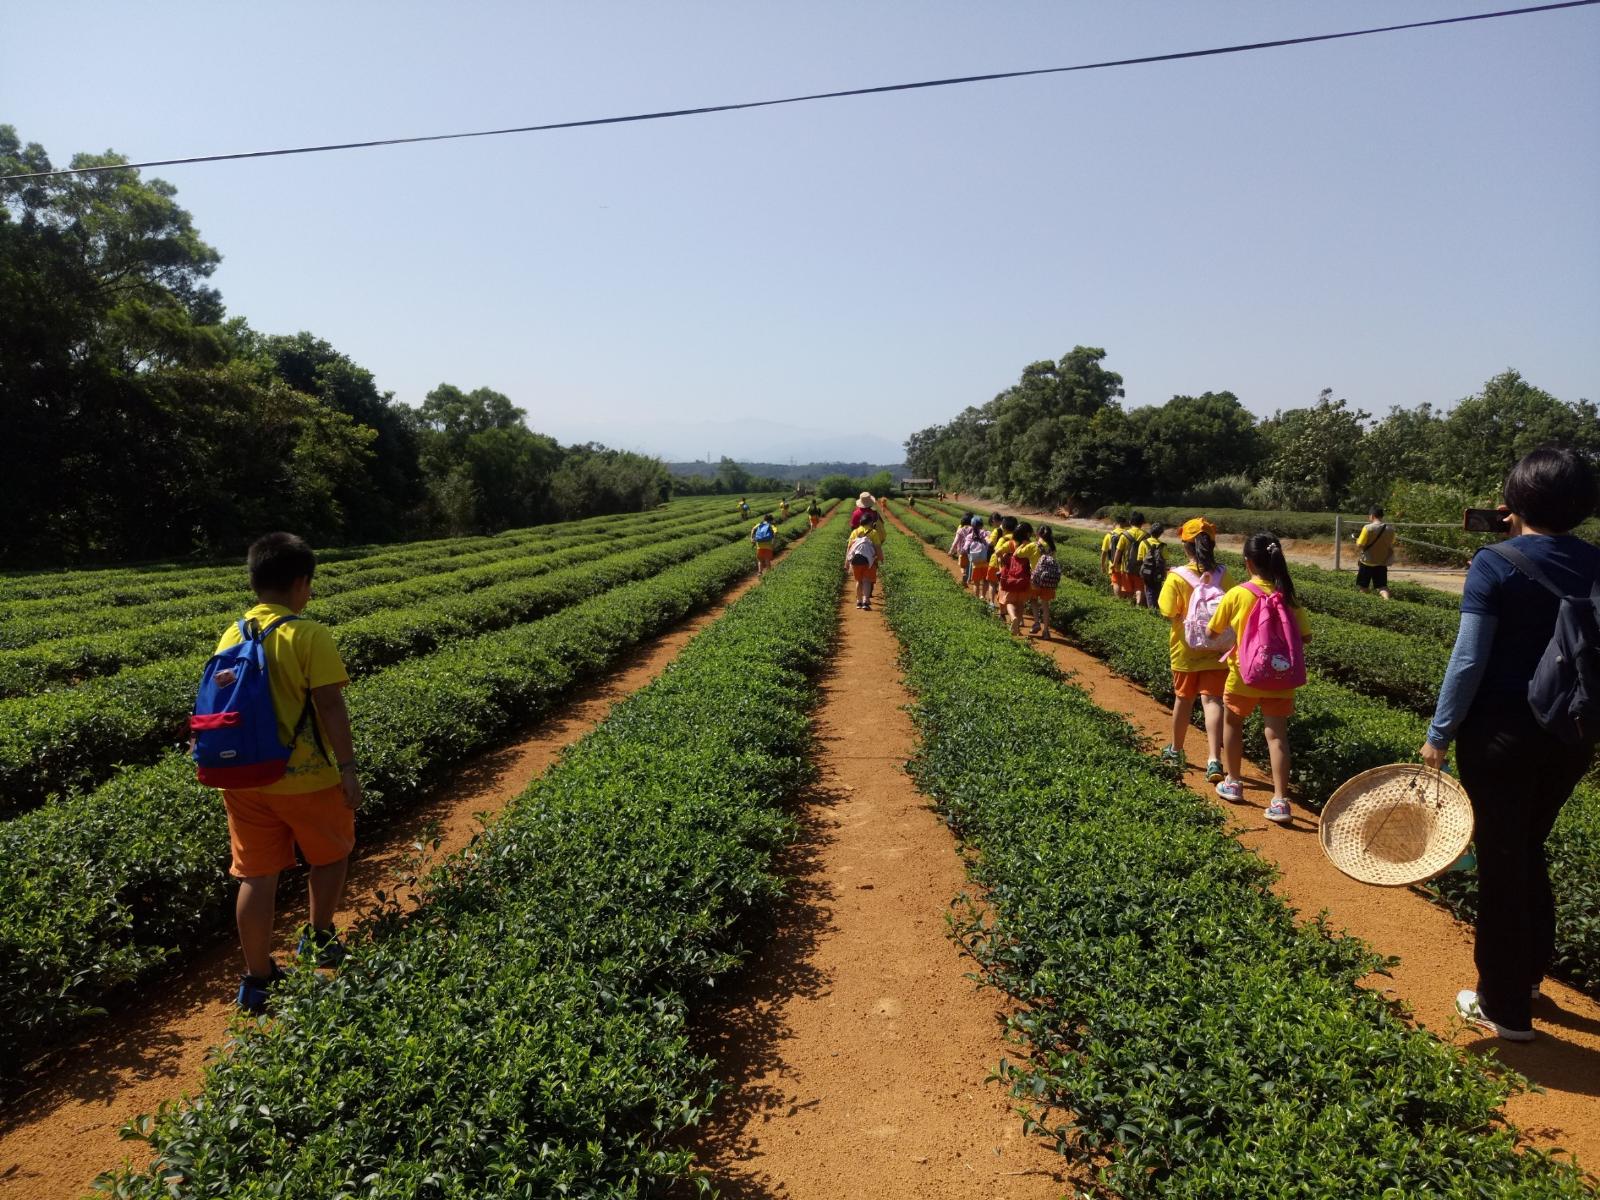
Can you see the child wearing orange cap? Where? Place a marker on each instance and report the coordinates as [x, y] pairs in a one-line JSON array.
[[1188, 599]]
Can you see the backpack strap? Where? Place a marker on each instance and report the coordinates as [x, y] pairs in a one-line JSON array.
[[1254, 591], [1527, 567], [1188, 575]]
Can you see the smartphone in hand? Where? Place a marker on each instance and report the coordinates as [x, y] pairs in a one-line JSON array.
[[1485, 520]]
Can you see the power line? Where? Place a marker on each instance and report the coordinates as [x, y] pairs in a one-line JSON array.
[[880, 89]]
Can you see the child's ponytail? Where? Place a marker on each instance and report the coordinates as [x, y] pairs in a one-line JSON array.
[[1205, 551], [1048, 538], [1266, 553]]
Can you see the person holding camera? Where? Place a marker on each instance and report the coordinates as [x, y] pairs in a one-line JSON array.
[[1376, 543], [1519, 766]]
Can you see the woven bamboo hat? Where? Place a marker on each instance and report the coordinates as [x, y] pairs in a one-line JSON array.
[[1396, 825]]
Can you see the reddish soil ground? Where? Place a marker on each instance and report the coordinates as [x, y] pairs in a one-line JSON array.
[[61, 1131], [855, 1049], [1435, 950]]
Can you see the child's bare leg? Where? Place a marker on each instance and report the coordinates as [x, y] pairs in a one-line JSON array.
[[254, 912], [1182, 709], [326, 886], [1233, 744], [1014, 614], [1277, 729], [1211, 706]]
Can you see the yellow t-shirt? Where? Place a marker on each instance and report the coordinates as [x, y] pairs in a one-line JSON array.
[[300, 656], [1108, 546], [1029, 553], [874, 532], [1004, 544], [1174, 605], [1234, 611], [1377, 544]]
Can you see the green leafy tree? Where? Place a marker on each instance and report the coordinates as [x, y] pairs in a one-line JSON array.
[[1401, 448], [1191, 439], [1486, 434], [1314, 452]]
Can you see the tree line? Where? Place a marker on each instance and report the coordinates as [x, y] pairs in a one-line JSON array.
[[140, 421], [1060, 438]]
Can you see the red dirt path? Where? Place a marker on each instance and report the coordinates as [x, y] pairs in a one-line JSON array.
[[1435, 950], [854, 1048]]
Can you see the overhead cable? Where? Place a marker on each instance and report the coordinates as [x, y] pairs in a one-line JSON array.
[[880, 89]]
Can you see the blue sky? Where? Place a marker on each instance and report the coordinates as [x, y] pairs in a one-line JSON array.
[[1396, 217]]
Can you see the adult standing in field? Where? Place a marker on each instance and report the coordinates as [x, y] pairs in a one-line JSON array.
[[314, 804], [1518, 772], [744, 507], [814, 513], [1376, 543], [764, 537]]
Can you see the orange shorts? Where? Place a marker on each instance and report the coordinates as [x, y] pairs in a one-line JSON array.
[[263, 830], [980, 572], [1189, 684], [1127, 582], [815, 521], [859, 572], [1271, 706], [1020, 596], [764, 553], [1045, 594]]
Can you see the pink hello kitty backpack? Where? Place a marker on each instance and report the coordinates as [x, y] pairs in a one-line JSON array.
[[1272, 654]]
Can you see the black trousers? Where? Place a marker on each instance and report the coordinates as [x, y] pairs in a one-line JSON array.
[[1518, 777]]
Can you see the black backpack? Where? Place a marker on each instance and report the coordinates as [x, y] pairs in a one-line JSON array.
[[1564, 692], [1153, 570], [1126, 558]]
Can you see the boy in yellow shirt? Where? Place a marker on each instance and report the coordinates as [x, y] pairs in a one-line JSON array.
[[315, 803]]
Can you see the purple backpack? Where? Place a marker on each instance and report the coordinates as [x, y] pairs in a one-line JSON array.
[[1272, 654]]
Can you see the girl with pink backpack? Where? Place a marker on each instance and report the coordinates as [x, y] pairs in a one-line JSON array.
[[1188, 600], [1265, 666]]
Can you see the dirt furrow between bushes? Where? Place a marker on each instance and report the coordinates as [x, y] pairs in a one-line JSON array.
[[1434, 949], [62, 1131], [855, 1050]]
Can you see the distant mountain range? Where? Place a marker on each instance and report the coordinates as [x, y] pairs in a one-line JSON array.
[[746, 439], [791, 472]]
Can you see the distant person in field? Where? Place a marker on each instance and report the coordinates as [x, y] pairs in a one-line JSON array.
[[814, 513], [314, 804], [783, 509], [1016, 576], [1376, 542], [1046, 579], [977, 557], [764, 537], [1518, 772], [1153, 567], [958, 547], [864, 554], [1126, 560], [911, 503], [1269, 630], [1189, 598], [1108, 550], [1000, 550], [744, 507]]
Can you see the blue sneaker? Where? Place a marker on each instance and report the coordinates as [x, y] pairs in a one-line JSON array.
[[1278, 811], [1214, 772], [253, 990], [325, 944], [1172, 756], [1231, 790]]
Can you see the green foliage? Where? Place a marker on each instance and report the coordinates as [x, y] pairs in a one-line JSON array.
[[837, 487], [527, 1034], [1182, 1027], [101, 888]]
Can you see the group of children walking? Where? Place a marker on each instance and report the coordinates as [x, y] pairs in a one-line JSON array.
[[1011, 566], [1233, 649]]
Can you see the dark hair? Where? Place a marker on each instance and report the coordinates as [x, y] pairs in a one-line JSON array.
[[1266, 552], [1157, 529], [1205, 551], [277, 560], [1122, 517], [1009, 524], [1552, 488], [966, 518], [994, 516], [1024, 529], [1376, 511], [767, 517], [1048, 537], [1138, 518]]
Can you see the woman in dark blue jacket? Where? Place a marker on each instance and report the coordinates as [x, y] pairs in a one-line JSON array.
[[1517, 774]]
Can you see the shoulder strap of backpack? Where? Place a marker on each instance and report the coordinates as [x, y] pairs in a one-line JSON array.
[[1527, 566], [273, 624], [1255, 591]]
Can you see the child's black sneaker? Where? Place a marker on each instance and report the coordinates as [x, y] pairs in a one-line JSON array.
[[324, 944], [252, 997]]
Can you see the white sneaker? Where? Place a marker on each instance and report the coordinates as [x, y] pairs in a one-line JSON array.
[[1231, 789], [1469, 1008], [1278, 811]]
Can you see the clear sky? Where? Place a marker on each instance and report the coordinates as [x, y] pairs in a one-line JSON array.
[[1396, 217]]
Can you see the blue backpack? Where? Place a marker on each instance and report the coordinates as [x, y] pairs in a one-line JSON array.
[[1564, 692], [764, 532], [234, 728]]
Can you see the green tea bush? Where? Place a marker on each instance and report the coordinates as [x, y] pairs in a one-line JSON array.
[[100, 889], [1182, 1027], [525, 1034], [75, 738]]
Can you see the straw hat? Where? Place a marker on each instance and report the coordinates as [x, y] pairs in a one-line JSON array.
[[865, 500], [1396, 825]]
